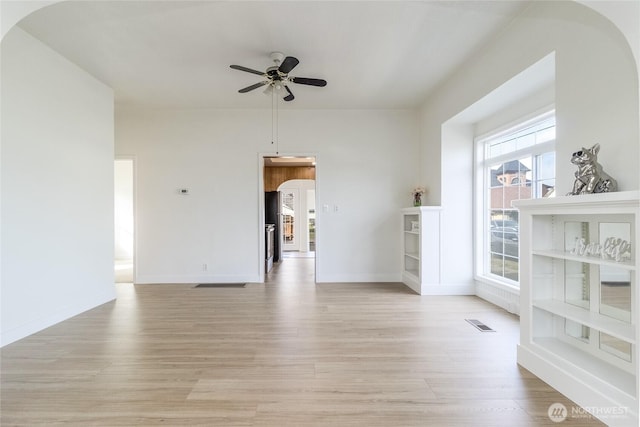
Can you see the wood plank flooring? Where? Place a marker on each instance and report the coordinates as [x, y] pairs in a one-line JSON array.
[[284, 353]]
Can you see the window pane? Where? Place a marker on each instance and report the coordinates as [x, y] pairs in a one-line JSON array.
[[547, 165], [288, 202], [511, 268], [496, 198], [526, 141], [496, 150], [545, 135], [524, 175], [497, 265], [546, 188]]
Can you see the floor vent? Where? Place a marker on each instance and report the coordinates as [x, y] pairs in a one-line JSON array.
[[479, 325], [221, 285]]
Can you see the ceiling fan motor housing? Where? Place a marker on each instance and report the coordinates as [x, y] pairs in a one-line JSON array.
[[277, 57]]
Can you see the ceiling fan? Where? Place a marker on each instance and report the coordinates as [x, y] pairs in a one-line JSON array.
[[277, 76]]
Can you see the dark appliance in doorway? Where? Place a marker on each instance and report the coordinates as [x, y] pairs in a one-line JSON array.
[[272, 211]]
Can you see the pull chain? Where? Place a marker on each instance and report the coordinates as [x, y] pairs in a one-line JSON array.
[[274, 121], [277, 127]]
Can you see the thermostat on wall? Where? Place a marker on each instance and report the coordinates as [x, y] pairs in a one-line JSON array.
[[184, 191]]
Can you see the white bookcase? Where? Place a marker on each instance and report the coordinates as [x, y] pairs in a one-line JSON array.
[[421, 247], [579, 307]]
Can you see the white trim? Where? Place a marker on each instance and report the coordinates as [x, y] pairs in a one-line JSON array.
[[533, 150], [134, 166], [261, 223], [481, 196], [187, 279], [359, 277], [519, 124]]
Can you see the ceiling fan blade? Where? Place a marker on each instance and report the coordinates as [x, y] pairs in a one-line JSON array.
[[288, 64], [248, 70], [307, 81], [252, 87], [289, 97]]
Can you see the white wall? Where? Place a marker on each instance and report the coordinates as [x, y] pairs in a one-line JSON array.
[[366, 165], [596, 98], [57, 188]]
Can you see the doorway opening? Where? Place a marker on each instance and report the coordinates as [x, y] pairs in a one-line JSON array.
[[123, 220], [298, 218], [289, 210]]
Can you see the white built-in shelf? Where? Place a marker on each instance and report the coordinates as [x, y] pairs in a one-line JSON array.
[[627, 265], [585, 203], [565, 339], [614, 327], [421, 247], [414, 255]]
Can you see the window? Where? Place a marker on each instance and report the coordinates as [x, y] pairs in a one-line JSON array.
[[515, 164], [288, 210]]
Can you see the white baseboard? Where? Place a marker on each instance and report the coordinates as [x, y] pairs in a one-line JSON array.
[[182, 279], [357, 278]]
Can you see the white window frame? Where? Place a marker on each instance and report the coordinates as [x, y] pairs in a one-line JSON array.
[[481, 186]]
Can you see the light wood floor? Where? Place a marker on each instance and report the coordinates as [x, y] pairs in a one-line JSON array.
[[284, 353]]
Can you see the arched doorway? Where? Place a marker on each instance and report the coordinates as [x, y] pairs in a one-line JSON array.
[[298, 217]]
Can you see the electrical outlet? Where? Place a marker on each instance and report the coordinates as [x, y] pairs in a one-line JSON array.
[[205, 267]]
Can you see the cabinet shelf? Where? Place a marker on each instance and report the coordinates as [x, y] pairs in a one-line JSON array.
[[616, 328], [414, 255], [579, 317], [627, 265], [421, 247]]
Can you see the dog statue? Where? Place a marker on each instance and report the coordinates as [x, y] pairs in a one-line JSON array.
[[589, 177]]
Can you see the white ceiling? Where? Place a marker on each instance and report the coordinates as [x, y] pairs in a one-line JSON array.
[[177, 53]]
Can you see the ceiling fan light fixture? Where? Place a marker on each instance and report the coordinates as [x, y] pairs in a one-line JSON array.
[[277, 77]]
